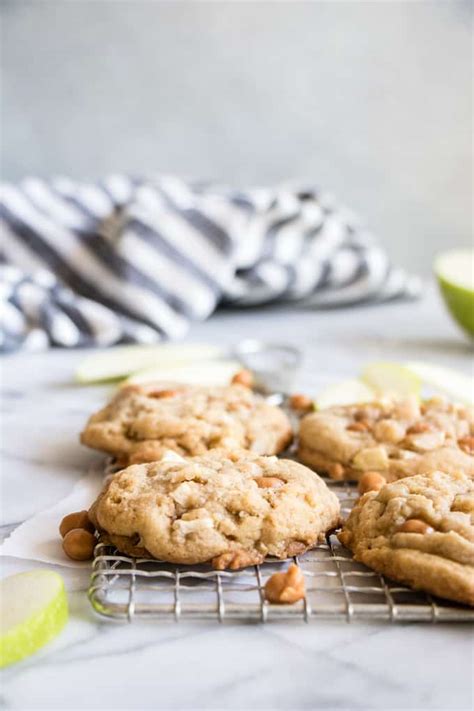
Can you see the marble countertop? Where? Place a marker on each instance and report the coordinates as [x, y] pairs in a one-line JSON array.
[[97, 664]]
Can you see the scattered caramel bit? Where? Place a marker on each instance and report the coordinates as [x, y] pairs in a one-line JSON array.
[[233, 560], [360, 426], [78, 519], [370, 481], [158, 394], [269, 482], [419, 427], [79, 544], [467, 444], [243, 377], [336, 470], [415, 525], [285, 588], [301, 403]]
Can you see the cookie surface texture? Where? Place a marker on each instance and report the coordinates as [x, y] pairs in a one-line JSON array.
[[419, 531], [230, 509], [394, 438], [142, 422]]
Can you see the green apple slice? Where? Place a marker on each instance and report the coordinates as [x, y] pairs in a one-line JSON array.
[[119, 362], [392, 379], [347, 392], [33, 610], [456, 385], [219, 372], [455, 273]]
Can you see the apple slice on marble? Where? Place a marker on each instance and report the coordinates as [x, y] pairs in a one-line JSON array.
[[207, 373], [33, 609], [115, 363], [392, 379], [346, 392]]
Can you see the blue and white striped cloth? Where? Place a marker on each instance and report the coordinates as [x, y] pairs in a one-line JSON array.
[[126, 260]]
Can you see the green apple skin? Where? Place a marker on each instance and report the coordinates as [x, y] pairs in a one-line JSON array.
[[460, 303], [33, 633]]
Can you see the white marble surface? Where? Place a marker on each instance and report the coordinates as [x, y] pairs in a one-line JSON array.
[[102, 665]]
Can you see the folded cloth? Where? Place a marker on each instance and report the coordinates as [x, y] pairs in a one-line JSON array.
[[134, 260]]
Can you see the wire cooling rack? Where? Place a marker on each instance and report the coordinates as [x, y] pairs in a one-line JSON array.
[[337, 587]]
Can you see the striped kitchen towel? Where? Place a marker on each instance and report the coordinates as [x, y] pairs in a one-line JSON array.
[[127, 260]]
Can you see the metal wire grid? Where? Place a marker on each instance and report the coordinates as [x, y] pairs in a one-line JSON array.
[[337, 587]]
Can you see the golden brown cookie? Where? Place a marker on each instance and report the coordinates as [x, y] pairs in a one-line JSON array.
[[142, 422], [395, 438], [420, 531], [231, 509]]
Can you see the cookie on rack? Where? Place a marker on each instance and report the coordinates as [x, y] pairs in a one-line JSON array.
[[396, 438], [229, 509], [419, 531], [142, 422]]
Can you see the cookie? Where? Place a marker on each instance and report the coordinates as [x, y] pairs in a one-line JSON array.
[[419, 531], [230, 509], [395, 438], [142, 422]]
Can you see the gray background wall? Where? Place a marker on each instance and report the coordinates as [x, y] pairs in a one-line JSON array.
[[371, 100]]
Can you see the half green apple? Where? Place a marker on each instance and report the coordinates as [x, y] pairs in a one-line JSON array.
[[455, 273]]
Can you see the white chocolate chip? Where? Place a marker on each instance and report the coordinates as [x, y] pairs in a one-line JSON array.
[[188, 494], [389, 431], [406, 454], [171, 456], [197, 472], [426, 441], [371, 458], [185, 527]]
